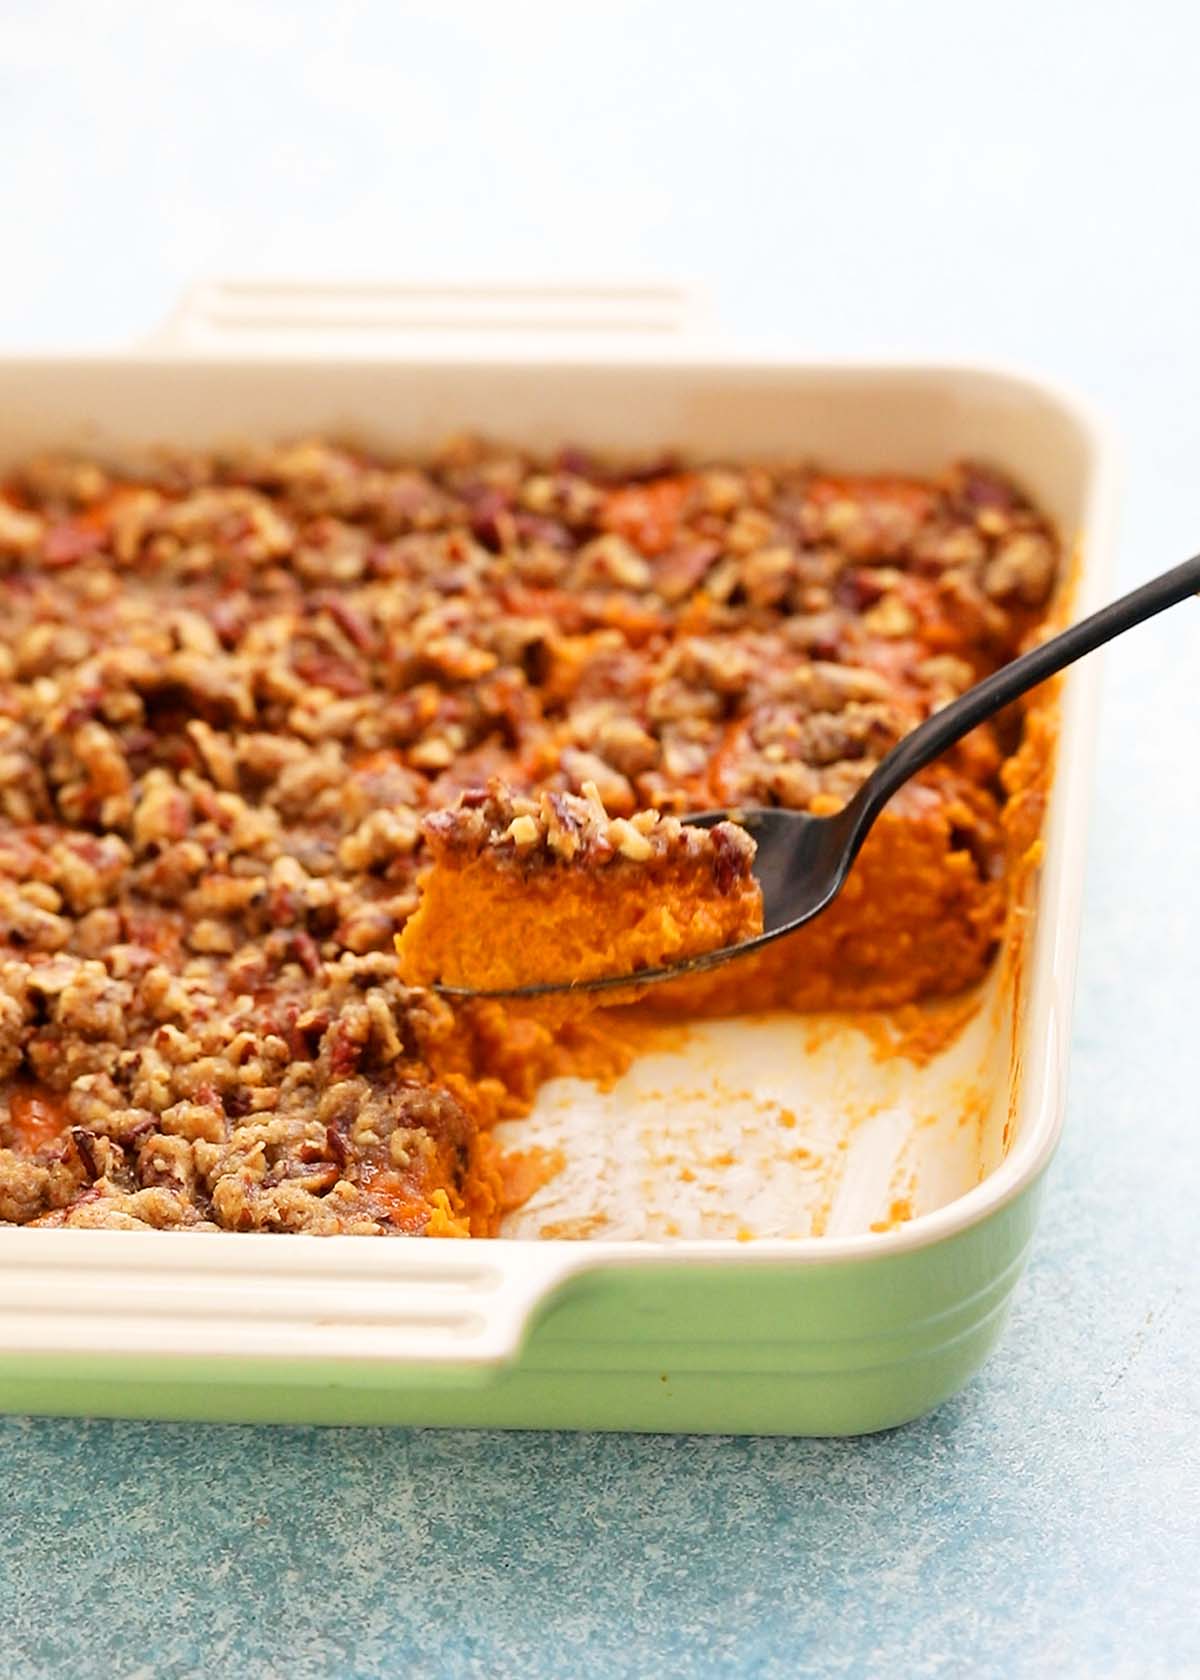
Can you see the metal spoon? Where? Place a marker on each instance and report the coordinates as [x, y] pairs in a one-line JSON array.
[[802, 861]]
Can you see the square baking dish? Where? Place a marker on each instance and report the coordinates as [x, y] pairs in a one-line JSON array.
[[846, 1332]]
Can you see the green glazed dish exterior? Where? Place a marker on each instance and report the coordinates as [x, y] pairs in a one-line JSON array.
[[845, 1348]]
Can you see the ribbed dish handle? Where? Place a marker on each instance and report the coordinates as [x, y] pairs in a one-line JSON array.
[[392, 1301], [290, 317]]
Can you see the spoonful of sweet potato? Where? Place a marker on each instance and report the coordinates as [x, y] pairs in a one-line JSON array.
[[528, 897]]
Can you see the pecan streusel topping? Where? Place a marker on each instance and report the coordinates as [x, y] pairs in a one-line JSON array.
[[238, 690]]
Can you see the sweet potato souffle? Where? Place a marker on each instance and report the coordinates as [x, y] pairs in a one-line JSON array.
[[288, 736]]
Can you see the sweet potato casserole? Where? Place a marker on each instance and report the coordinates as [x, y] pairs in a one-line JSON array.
[[247, 699], [524, 892]]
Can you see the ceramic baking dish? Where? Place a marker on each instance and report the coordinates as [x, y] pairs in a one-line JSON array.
[[848, 1331]]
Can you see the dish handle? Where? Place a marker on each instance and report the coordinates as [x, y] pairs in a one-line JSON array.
[[439, 318], [392, 1302]]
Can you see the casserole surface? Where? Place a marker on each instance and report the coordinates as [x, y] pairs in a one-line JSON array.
[[247, 692]]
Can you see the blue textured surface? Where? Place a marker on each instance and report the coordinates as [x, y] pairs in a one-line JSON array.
[[863, 178]]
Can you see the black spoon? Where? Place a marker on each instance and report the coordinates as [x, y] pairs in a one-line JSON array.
[[802, 861]]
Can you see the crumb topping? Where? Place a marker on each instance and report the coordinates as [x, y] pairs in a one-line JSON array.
[[568, 828], [241, 695]]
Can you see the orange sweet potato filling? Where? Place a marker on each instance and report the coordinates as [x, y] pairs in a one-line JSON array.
[[477, 927]]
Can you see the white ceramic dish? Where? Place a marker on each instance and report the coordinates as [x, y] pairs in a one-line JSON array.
[[849, 1330]]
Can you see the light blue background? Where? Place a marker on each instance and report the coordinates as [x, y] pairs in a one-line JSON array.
[[1015, 182]]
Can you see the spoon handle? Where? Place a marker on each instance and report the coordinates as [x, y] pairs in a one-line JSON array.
[[949, 725]]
